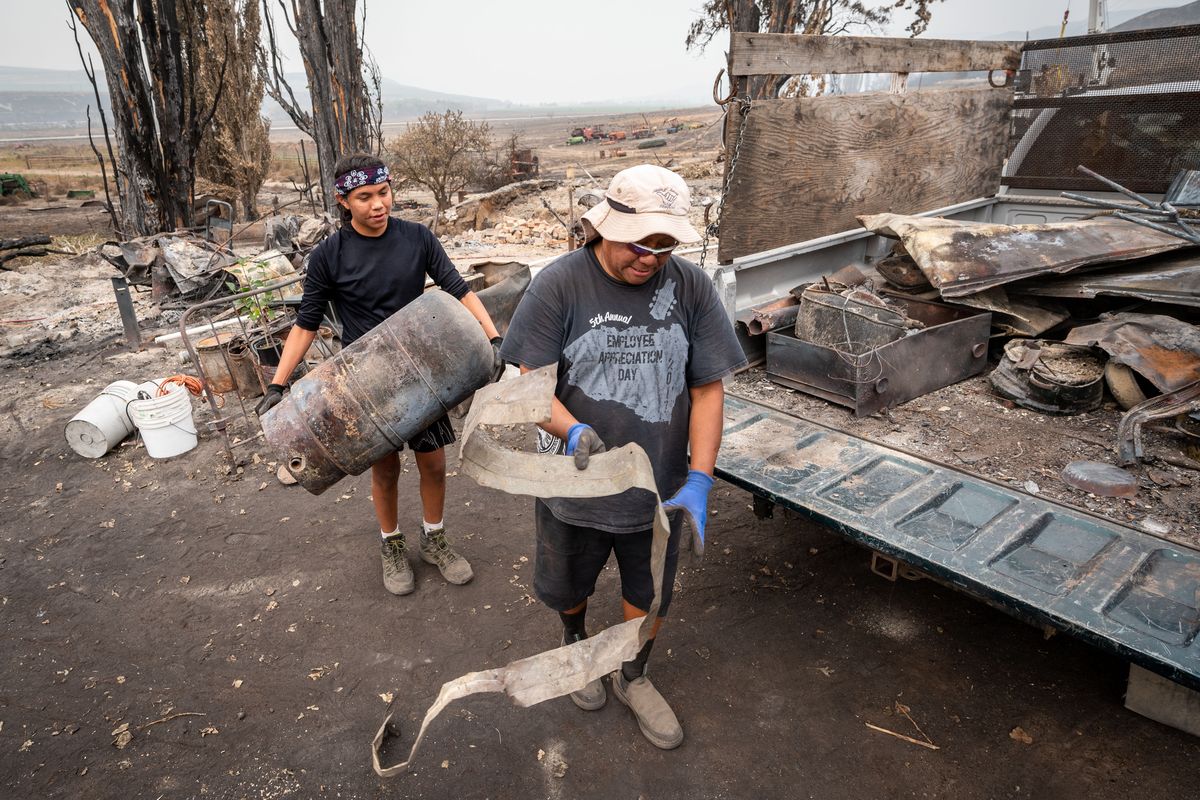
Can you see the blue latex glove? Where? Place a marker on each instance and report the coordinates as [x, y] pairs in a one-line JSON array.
[[582, 441], [692, 500]]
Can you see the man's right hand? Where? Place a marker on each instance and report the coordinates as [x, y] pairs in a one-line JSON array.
[[272, 398], [582, 442]]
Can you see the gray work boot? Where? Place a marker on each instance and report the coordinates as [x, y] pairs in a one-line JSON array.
[[397, 572], [591, 697], [436, 550], [654, 716]]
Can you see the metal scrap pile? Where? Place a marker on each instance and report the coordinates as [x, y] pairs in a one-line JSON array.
[[185, 267], [1103, 305], [179, 266], [1106, 301]]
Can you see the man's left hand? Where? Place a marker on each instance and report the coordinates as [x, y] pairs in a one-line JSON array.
[[497, 361], [692, 500]]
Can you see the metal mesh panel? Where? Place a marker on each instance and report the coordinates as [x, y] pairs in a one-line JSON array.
[[1126, 105]]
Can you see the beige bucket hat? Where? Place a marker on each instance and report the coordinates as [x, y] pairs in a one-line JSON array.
[[642, 201]]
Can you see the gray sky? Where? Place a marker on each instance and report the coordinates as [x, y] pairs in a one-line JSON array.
[[551, 50]]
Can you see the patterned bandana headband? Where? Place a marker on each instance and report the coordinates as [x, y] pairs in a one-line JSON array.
[[360, 177]]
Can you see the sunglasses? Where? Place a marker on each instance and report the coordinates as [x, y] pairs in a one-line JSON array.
[[641, 250]]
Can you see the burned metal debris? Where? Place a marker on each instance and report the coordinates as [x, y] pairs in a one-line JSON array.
[[1185, 400], [962, 258], [1173, 279], [1163, 350], [1050, 377], [177, 265], [770, 316], [859, 349]]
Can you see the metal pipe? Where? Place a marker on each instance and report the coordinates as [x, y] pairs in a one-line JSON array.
[[1116, 187], [1145, 223], [1102, 203]]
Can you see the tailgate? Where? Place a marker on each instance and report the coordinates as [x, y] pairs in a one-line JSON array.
[[1113, 586]]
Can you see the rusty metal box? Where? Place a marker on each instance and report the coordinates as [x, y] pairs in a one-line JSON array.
[[952, 346]]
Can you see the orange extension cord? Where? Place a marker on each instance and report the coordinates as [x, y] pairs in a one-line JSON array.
[[189, 382]]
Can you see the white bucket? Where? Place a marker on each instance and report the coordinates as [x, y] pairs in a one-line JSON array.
[[165, 422], [104, 422]]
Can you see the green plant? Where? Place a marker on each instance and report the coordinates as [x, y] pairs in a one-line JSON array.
[[255, 307]]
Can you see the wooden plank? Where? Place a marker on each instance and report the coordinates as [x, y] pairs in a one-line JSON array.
[[794, 54], [809, 165]]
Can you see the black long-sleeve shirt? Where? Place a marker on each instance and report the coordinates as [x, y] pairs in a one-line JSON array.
[[369, 278]]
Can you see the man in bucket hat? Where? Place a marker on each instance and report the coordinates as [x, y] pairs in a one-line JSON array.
[[642, 342]]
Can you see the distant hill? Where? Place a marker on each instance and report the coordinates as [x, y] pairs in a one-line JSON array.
[[26, 79], [57, 99], [1188, 14], [1163, 18], [400, 101], [1077, 26]]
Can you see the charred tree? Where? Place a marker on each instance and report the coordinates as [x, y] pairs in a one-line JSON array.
[[342, 116], [236, 153], [157, 116]]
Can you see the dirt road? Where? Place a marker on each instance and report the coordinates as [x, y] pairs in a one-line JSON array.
[[241, 631]]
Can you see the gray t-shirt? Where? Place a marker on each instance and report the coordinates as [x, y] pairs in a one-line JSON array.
[[626, 356]]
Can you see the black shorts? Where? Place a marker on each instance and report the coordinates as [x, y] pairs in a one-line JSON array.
[[435, 437], [569, 558]]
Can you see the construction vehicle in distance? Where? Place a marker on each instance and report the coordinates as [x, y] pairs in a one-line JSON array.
[[589, 134], [642, 133], [617, 136], [576, 140], [523, 164], [675, 128], [13, 183]]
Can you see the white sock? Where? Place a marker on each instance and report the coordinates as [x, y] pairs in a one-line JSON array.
[[386, 535], [430, 527]]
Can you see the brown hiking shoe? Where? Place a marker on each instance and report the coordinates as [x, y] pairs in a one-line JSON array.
[[654, 716], [434, 549], [397, 572], [591, 697]]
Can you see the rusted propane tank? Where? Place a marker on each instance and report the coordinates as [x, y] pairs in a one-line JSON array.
[[379, 392]]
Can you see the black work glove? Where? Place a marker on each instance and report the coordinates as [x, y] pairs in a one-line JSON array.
[[497, 361], [272, 398], [582, 442]]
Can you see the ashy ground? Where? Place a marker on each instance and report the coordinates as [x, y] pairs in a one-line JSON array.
[[192, 628]]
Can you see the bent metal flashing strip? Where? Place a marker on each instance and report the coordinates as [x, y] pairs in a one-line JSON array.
[[563, 670]]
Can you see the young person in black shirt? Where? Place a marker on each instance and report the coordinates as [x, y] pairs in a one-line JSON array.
[[371, 268]]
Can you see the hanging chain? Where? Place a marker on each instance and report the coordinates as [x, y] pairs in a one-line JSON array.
[[714, 227]]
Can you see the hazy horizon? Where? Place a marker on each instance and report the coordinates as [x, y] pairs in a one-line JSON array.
[[541, 52]]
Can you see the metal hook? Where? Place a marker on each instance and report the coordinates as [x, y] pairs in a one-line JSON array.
[[717, 85], [1008, 79]]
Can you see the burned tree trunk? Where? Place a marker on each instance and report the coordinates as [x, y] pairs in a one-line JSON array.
[[341, 118], [237, 152], [156, 116]]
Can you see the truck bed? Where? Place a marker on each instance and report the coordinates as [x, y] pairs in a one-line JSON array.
[[965, 487]]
